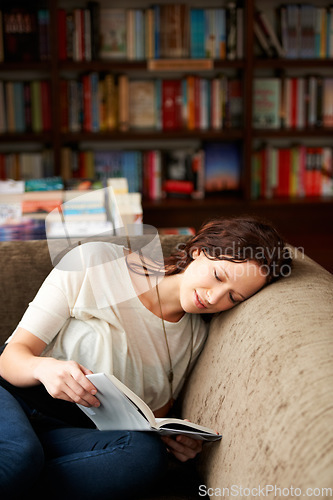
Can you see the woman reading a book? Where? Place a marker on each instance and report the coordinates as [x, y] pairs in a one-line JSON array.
[[107, 308]]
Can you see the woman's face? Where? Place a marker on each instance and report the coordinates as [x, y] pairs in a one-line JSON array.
[[210, 286]]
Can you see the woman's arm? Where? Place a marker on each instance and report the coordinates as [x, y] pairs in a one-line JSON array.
[[22, 365]]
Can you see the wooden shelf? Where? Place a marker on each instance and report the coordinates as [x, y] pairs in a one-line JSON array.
[[293, 63], [116, 65], [26, 137], [139, 135], [290, 133], [44, 67]]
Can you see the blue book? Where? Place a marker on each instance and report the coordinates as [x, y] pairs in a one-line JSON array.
[[139, 35], [197, 33], [222, 166]]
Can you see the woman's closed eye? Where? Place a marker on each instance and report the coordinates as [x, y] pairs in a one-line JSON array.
[[232, 299], [217, 276]]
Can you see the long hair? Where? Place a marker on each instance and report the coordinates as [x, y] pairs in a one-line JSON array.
[[236, 239]]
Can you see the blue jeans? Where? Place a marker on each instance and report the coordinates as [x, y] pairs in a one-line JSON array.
[[43, 454]]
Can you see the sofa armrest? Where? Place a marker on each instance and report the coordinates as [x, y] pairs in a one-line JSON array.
[[265, 381]]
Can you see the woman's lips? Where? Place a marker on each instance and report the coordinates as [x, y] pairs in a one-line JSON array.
[[198, 301]]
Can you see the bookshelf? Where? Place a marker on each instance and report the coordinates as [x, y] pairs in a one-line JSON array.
[[305, 221]]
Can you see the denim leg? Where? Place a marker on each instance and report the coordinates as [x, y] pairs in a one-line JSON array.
[[88, 463], [21, 454]]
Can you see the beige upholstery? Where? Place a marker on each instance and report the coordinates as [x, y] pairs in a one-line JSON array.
[[264, 379]]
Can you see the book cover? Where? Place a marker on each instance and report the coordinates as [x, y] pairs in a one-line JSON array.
[[174, 30], [113, 33], [266, 102], [123, 103], [222, 166], [142, 104], [121, 408], [20, 34]]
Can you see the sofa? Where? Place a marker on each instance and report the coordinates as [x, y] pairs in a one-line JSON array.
[[264, 380]]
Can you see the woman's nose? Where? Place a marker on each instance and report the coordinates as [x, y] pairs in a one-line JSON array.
[[214, 295]]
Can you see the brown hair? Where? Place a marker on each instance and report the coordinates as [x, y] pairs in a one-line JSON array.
[[236, 239]]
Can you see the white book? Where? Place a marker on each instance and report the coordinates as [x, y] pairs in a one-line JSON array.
[[122, 409]]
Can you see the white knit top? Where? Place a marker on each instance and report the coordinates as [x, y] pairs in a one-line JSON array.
[[88, 310]]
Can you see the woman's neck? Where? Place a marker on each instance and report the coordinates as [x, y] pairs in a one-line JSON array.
[[168, 289]]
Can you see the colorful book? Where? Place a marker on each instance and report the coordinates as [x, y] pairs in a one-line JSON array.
[[266, 102], [113, 33], [222, 166]]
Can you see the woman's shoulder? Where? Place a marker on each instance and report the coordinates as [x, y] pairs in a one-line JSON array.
[[90, 254]]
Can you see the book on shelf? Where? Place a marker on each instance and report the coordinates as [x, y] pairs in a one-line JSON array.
[[267, 102], [38, 204], [177, 230], [174, 35], [113, 33], [222, 167], [306, 31], [122, 409], [266, 29], [100, 102], [298, 171], [25, 165], [142, 104]]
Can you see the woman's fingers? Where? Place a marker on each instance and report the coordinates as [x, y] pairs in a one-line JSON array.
[[183, 447]]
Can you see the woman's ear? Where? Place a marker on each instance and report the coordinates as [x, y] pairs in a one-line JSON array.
[[195, 253]]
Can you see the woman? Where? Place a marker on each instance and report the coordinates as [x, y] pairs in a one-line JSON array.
[[105, 308]]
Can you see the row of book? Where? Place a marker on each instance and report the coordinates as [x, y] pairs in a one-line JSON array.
[[293, 102], [171, 30], [183, 172], [26, 165], [24, 34], [99, 103], [299, 31], [25, 106], [292, 172]]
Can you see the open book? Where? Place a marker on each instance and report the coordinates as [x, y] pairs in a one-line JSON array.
[[122, 409]]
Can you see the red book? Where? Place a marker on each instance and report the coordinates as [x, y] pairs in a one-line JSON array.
[[197, 101], [87, 117], [62, 35], [178, 103], [178, 187], [3, 175], [317, 174], [309, 172], [263, 176], [64, 106], [283, 188], [168, 105], [294, 110]]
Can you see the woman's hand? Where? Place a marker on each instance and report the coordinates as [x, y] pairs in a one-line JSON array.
[[66, 380], [183, 447]]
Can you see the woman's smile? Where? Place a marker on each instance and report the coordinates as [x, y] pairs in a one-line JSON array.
[[198, 301]]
